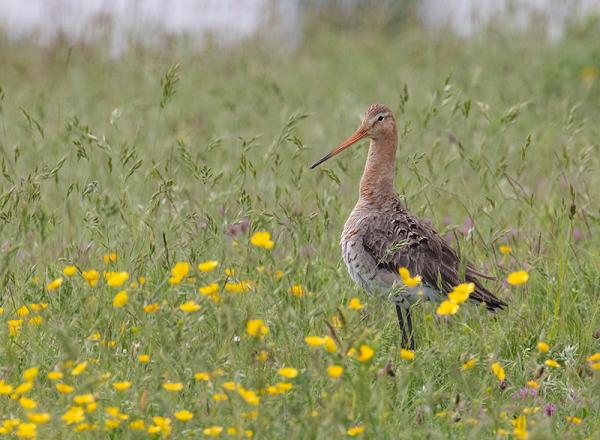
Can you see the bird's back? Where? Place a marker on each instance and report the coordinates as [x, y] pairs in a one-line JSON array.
[[381, 237]]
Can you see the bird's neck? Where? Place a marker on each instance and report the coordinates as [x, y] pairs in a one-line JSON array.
[[378, 177]]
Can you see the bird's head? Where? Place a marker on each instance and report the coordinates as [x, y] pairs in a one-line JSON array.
[[378, 122]]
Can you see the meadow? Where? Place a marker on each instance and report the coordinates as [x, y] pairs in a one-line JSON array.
[[137, 299]]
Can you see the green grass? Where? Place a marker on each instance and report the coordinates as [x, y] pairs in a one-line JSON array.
[[154, 155]]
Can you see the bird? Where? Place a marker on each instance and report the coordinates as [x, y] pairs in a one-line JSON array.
[[381, 237]]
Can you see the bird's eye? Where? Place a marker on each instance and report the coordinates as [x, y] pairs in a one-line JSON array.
[[380, 118]]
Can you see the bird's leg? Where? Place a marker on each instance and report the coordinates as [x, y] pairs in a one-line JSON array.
[[401, 322], [410, 329]]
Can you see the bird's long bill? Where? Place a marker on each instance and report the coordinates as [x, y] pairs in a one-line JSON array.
[[351, 140]]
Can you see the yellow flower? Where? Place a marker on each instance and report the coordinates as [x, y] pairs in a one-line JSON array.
[[179, 272], [201, 375], [27, 403], [111, 257], [111, 424], [26, 430], [505, 249], [469, 364], [212, 431], [115, 279], [54, 375], [209, 289], [279, 274], [243, 286], [543, 347], [30, 374], [461, 293], [24, 388], [517, 278], [63, 388], [335, 371], [69, 270], [189, 307], [14, 326], [21, 312], [91, 276], [151, 308], [407, 355], [262, 239], [73, 415], [365, 353], [39, 418], [120, 299], [329, 344], [116, 413], [498, 371], [593, 358], [183, 415], [79, 368], [574, 420], [595, 367], [36, 320], [249, 396], [283, 387], [137, 425], [533, 384], [262, 356], [520, 430], [407, 279], [230, 386], [173, 386], [5, 388], [314, 341], [84, 427], [121, 386], [220, 397], [447, 308], [288, 372], [54, 284], [356, 430], [83, 399], [153, 429], [144, 358], [297, 290], [256, 327], [208, 266], [355, 304], [36, 307], [552, 363], [164, 425]]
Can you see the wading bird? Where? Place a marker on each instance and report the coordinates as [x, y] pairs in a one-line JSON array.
[[381, 235]]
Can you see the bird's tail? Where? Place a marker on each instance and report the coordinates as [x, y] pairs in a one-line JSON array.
[[484, 295]]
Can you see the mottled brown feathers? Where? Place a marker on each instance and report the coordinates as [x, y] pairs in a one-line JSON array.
[[395, 238]]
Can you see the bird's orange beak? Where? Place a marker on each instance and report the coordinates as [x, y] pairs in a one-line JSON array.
[[357, 136]]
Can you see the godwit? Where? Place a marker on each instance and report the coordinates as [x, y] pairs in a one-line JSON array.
[[381, 235]]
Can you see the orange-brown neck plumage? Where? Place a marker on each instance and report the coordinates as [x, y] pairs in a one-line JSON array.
[[378, 177]]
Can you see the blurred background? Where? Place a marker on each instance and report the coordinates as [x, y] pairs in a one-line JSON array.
[[121, 23]]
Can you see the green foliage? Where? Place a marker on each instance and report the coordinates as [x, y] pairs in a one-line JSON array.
[[92, 163]]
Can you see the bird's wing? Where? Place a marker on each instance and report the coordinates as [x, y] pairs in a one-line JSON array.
[[398, 239]]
